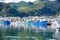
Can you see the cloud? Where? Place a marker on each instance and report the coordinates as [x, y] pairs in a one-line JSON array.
[[16, 1], [52, 0], [29, 0]]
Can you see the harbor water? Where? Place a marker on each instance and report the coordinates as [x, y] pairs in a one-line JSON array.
[[28, 30]]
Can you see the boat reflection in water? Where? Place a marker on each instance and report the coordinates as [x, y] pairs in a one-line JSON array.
[[41, 29]]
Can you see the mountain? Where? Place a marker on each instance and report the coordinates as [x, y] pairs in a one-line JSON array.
[[25, 9]]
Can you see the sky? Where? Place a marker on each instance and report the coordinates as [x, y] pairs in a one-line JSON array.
[[52, 0], [7, 1], [16, 1]]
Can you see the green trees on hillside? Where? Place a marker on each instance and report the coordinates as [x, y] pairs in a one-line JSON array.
[[22, 8], [35, 6]]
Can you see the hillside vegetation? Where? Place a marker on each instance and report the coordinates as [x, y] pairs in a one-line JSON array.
[[25, 9]]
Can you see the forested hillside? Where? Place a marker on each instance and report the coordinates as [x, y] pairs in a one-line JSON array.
[[25, 9]]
